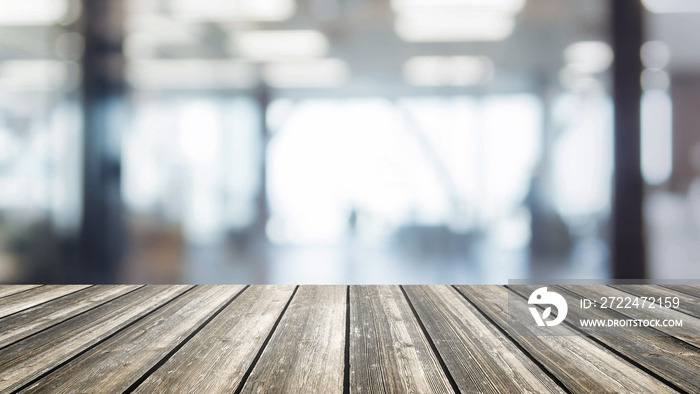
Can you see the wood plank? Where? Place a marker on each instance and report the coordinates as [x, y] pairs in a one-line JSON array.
[[216, 359], [30, 321], [693, 290], [688, 304], [115, 364], [690, 332], [27, 360], [27, 299], [578, 362], [673, 360], [305, 353], [388, 351], [6, 290], [479, 357]]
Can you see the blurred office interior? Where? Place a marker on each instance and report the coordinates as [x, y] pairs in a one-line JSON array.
[[348, 141]]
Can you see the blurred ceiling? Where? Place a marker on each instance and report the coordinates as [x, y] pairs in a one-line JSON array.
[[366, 36], [353, 46]]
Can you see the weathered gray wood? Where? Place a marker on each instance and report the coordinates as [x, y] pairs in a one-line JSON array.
[[24, 361], [33, 297], [215, 360], [689, 332], [29, 321], [479, 357], [693, 290], [388, 351], [578, 362], [305, 353], [6, 290], [688, 304], [108, 338], [115, 364], [674, 360]]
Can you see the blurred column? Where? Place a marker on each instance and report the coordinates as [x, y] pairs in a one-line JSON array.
[[628, 225], [544, 89], [103, 89]]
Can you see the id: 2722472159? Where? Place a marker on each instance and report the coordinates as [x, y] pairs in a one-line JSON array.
[[631, 302]]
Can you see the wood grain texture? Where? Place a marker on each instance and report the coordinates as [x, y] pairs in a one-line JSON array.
[[688, 304], [215, 360], [578, 362], [27, 299], [115, 364], [388, 351], [693, 290], [6, 290], [30, 321], [674, 360], [305, 353], [479, 357], [216, 339], [689, 332], [24, 361]]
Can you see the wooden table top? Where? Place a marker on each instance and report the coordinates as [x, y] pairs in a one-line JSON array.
[[333, 339]]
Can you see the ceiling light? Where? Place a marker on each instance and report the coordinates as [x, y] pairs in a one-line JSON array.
[[507, 6], [320, 73], [589, 57], [655, 54], [32, 12], [442, 25], [448, 71], [142, 6], [148, 33], [270, 45], [191, 74], [37, 75], [163, 26], [672, 6], [233, 10]]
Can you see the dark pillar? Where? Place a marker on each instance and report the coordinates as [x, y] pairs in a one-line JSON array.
[[628, 255], [102, 95]]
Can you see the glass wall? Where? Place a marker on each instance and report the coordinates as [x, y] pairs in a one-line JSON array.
[[327, 141], [671, 142], [40, 137], [367, 141]]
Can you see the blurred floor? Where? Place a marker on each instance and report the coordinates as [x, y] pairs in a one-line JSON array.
[[357, 265]]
